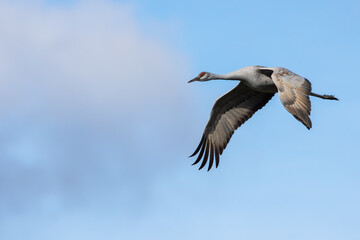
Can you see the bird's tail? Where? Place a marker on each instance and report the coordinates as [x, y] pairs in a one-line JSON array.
[[329, 97]]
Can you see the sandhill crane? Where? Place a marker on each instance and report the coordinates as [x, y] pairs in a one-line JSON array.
[[257, 86]]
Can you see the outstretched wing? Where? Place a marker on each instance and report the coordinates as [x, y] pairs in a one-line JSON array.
[[229, 112], [294, 93]]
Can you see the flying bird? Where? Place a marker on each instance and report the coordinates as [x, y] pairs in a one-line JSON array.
[[257, 86]]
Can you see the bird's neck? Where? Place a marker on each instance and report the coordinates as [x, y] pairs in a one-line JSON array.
[[228, 76]]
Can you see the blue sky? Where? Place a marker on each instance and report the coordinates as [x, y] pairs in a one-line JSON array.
[[97, 121]]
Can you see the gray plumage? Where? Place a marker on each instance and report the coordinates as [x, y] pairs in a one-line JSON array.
[[257, 86]]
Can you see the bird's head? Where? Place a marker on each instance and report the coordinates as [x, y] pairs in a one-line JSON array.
[[202, 77]]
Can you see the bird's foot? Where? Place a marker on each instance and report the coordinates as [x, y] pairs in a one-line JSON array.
[[330, 97]]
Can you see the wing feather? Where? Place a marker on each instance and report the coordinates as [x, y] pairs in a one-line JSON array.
[[294, 92], [211, 156], [206, 156], [229, 112]]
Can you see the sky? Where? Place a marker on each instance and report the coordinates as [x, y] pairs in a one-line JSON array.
[[97, 121]]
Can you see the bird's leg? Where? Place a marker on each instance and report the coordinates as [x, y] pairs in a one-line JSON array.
[[329, 97]]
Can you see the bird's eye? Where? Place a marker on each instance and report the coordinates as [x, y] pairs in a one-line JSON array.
[[202, 74]]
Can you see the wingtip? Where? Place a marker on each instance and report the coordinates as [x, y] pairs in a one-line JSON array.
[[191, 155], [198, 147]]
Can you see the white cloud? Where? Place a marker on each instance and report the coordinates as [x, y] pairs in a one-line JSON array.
[[86, 101], [91, 54]]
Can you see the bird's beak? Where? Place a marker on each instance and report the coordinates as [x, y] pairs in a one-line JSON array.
[[193, 80]]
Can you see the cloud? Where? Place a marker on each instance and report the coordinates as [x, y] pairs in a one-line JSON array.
[[89, 105]]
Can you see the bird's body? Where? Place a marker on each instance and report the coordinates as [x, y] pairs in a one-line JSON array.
[[254, 79], [257, 86]]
